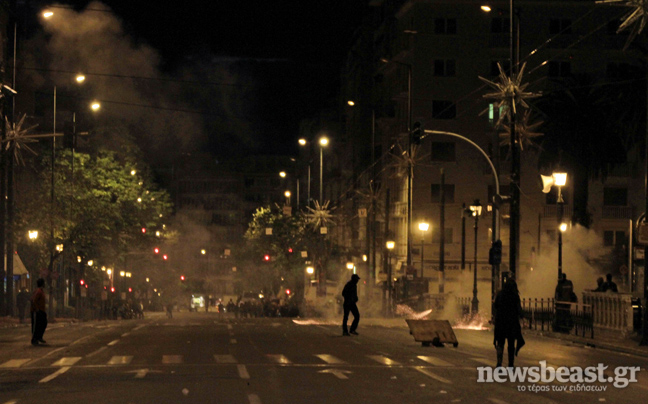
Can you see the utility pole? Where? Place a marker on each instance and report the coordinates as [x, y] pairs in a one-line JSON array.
[[442, 235]]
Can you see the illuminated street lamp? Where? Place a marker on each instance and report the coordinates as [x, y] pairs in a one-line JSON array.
[[476, 209], [558, 179], [47, 14], [33, 234], [390, 246], [423, 227], [310, 270], [80, 78], [287, 195], [282, 174], [95, 105], [323, 143]]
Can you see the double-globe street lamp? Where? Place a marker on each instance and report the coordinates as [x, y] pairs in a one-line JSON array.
[[558, 179], [390, 246], [424, 227], [476, 209]]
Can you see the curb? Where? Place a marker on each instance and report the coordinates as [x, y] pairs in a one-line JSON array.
[[593, 343]]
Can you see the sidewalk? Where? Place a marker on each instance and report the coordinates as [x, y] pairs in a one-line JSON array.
[[14, 322]]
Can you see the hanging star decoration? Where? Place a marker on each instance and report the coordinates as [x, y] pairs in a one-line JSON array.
[[371, 195], [403, 159], [17, 138], [525, 131], [510, 93], [320, 215], [638, 15]]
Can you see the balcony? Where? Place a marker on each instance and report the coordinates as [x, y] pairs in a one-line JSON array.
[[618, 212], [552, 211]]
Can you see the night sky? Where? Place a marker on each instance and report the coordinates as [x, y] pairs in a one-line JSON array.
[[292, 49]]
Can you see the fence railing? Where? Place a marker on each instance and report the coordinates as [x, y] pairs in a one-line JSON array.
[[537, 313], [612, 311], [567, 317]]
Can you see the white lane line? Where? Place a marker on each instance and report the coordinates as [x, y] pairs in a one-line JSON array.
[[139, 327], [279, 359], [254, 399], [111, 343], [169, 359], [67, 361], [225, 359], [383, 359], [14, 363], [81, 339], [126, 334], [54, 375], [434, 361], [497, 401], [233, 341], [485, 361], [330, 359], [433, 375], [91, 354], [120, 360], [242, 371], [11, 402]]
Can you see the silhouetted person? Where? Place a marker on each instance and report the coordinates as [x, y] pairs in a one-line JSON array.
[[599, 285], [609, 285], [507, 311], [21, 301], [350, 294], [564, 296], [38, 313]]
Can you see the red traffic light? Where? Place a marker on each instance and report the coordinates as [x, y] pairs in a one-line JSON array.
[[82, 282], [287, 291], [143, 229], [156, 250], [130, 289], [266, 257], [112, 290], [165, 257], [182, 278], [290, 250]]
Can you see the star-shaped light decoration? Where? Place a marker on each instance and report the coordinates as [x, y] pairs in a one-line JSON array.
[[17, 138], [638, 15], [320, 216], [372, 196], [403, 159], [524, 130], [510, 93]]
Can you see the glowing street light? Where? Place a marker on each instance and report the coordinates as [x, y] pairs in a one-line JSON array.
[[310, 270], [203, 251], [558, 179], [47, 14], [423, 227], [390, 246], [282, 174], [476, 209], [33, 234], [95, 105], [323, 143], [80, 78]]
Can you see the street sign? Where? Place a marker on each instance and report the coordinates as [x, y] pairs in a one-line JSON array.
[[323, 230], [268, 231], [304, 254]]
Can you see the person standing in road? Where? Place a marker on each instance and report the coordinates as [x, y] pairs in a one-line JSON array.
[[38, 313], [350, 294], [508, 310], [21, 301]]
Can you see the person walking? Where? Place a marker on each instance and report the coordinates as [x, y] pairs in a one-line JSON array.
[[609, 285], [350, 294], [508, 311], [21, 301], [38, 313]]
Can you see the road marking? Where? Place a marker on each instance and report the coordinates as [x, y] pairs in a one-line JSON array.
[[169, 359], [242, 371], [81, 339], [279, 359], [434, 361], [330, 359], [91, 354], [485, 361], [496, 401], [432, 375], [67, 361], [254, 399], [54, 375], [14, 363], [339, 373], [126, 334], [11, 402], [139, 327], [111, 343], [383, 359], [120, 360], [233, 341], [225, 359], [141, 373]]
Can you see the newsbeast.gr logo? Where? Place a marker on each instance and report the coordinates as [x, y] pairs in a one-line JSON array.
[[623, 375]]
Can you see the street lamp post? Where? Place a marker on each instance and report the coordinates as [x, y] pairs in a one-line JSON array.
[[323, 143], [303, 142], [423, 227], [558, 179], [390, 246], [476, 209]]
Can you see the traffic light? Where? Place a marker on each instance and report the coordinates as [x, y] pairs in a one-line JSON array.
[[288, 291], [266, 257], [69, 135], [417, 133], [130, 289], [82, 282], [143, 230], [182, 278], [156, 250], [290, 250], [495, 253], [165, 257]]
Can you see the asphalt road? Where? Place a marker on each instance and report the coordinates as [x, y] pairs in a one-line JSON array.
[[201, 358]]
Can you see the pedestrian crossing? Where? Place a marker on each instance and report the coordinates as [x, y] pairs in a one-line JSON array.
[[323, 359]]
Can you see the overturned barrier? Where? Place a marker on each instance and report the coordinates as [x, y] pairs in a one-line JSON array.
[[435, 332]]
